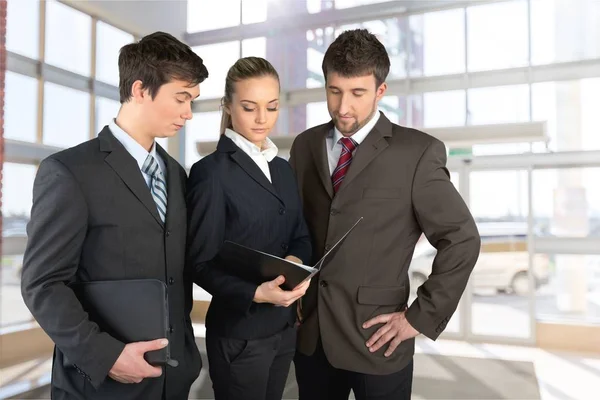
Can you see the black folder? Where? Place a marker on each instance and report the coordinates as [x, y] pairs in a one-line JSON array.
[[130, 311], [258, 267]]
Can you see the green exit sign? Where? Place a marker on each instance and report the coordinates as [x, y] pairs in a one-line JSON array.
[[461, 152]]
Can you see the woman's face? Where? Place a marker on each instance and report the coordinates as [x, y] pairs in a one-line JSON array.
[[254, 108]]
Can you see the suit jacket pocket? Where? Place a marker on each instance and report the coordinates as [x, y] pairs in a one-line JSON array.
[[375, 193], [381, 295]]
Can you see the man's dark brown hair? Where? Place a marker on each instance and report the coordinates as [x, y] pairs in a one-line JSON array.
[[357, 53], [155, 60]]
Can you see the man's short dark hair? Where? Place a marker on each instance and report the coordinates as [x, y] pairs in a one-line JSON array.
[[155, 60], [357, 53]]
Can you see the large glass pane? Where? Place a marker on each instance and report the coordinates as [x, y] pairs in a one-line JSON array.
[[317, 114], [567, 202], [218, 58], [500, 306], [437, 43], [203, 127], [569, 288], [564, 30], [20, 107], [492, 44], [109, 42], [442, 109], [106, 110], [354, 3], [497, 105], [23, 27], [202, 16], [68, 38], [316, 43], [254, 11], [66, 116], [570, 109], [17, 184]]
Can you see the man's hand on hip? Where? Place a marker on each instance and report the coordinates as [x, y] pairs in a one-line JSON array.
[[396, 329]]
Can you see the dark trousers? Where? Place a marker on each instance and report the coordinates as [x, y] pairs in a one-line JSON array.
[[250, 369], [318, 380]]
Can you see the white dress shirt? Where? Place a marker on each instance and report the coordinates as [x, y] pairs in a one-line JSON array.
[[137, 151], [261, 157], [334, 147]]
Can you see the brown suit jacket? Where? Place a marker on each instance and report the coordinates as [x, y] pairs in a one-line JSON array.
[[399, 183]]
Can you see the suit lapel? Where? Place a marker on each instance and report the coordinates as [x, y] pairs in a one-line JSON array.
[[247, 164], [319, 152], [368, 150], [128, 170]]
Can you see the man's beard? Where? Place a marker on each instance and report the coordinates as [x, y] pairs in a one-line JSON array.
[[355, 126]]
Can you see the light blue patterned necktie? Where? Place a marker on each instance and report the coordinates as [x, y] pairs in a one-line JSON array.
[[158, 186]]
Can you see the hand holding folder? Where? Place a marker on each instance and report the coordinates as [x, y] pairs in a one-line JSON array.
[[259, 267]]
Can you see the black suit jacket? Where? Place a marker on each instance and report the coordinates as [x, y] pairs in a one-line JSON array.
[[93, 218], [230, 198]]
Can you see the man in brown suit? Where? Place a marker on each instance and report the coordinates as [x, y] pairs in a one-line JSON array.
[[357, 330]]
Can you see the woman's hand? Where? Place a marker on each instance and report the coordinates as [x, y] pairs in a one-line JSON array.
[[270, 292]]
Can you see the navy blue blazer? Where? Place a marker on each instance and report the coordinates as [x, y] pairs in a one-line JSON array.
[[230, 198]]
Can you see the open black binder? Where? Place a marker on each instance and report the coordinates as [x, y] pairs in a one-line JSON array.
[[258, 267], [130, 311]]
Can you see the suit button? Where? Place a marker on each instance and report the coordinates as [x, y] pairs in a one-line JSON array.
[[284, 246], [281, 211], [168, 233], [334, 212], [171, 281], [327, 247], [171, 329], [323, 283]]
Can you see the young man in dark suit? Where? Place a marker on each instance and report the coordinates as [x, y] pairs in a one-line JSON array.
[[113, 208], [357, 332]]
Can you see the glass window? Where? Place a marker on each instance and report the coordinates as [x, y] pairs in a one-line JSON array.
[[256, 47], [254, 11], [23, 27], [438, 43], [564, 30], [202, 16], [20, 107], [316, 6], [109, 42], [316, 114], [106, 110], [317, 41], [441, 109], [66, 116], [68, 38], [203, 127], [17, 184], [491, 44], [497, 105], [566, 202], [218, 58], [390, 105]]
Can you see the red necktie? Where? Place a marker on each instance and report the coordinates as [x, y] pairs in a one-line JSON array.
[[348, 146]]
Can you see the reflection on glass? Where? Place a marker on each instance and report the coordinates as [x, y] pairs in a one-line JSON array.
[[66, 116], [20, 107], [23, 27], [68, 38], [17, 184]]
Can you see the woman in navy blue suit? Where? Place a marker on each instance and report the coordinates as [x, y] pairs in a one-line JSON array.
[[246, 194]]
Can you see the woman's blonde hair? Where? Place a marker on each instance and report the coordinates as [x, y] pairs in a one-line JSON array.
[[244, 68]]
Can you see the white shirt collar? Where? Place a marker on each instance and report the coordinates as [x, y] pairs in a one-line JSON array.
[[137, 151], [269, 151], [360, 135]]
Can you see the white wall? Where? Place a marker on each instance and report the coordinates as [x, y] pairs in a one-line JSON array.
[[138, 16]]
